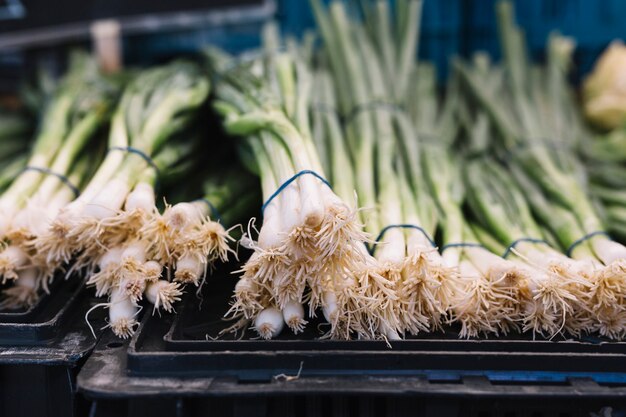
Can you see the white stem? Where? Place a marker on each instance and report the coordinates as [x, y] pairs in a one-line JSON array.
[[141, 198], [182, 215], [390, 334], [108, 201], [392, 248], [111, 257], [329, 306], [189, 269], [468, 270], [607, 250], [27, 278], [271, 233], [330, 198], [484, 260], [122, 314], [136, 251], [290, 207], [311, 205], [37, 217], [162, 294], [14, 256], [293, 315], [452, 257], [71, 213], [269, 323], [153, 290], [153, 270], [6, 219]]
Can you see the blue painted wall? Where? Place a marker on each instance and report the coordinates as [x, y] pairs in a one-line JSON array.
[[449, 27], [459, 27]]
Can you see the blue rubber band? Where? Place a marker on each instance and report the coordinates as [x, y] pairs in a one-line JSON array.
[[61, 178], [584, 238], [139, 152], [143, 156], [402, 226], [289, 181], [520, 240], [462, 245], [214, 212]]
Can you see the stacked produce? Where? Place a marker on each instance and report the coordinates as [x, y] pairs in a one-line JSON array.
[[536, 128], [61, 215], [54, 173], [385, 147], [114, 230], [383, 136], [604, 151], [311, 247], [389, 209]]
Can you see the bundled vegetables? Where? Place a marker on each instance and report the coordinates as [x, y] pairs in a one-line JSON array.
[[605, 152], [416, 166], [62, 215], [53, 176], [383, 142], [389, 210], [536, 127], [310, 248], [114, 230]]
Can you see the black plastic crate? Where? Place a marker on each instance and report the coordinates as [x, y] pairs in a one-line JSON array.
[[177, 359], [41, 350]]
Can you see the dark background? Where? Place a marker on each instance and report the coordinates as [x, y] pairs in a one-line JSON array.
[[449, 27]]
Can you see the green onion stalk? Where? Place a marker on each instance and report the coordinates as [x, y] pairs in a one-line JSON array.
[[616, 218], [311, 246], [551, 288], [114, 230], [198, 238], [32, 274], [375, 155], [78, 110], [382, 143], [480, 288], [604, 158], [537, 129], [607, 184], [384, 277], [499, 206], [595, 309], [329, 139], [606, 148]]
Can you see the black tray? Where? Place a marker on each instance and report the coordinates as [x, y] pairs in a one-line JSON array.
[[42, 321], [175, 358], [41, 350], [189, 338]]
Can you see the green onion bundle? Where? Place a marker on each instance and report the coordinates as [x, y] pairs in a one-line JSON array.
[[113, 231], [311, 247], [482, 293], [537, 128], [55, 172], [385, 147]]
